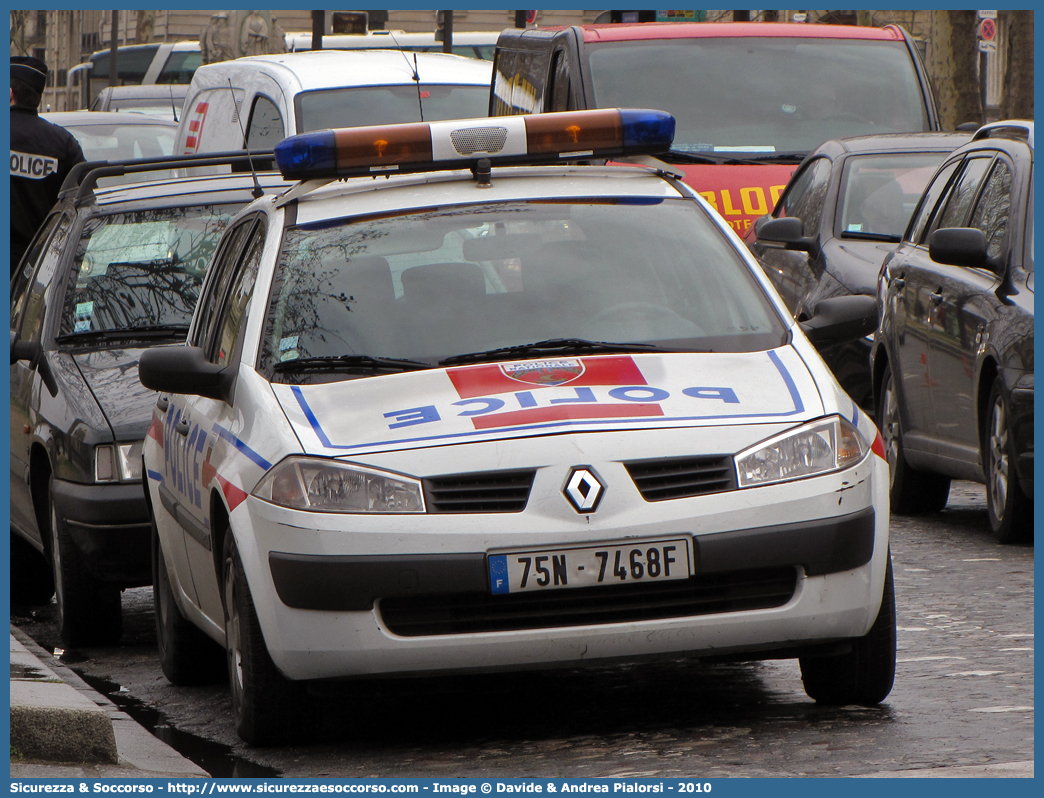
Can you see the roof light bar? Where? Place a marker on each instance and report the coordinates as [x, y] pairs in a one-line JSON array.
[[428, 146]]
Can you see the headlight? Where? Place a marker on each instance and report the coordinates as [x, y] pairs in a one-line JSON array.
[[328, 486], [119, 463], [819, 447]]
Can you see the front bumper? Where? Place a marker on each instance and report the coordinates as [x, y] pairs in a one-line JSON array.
[[110, 526], [353, 583], [340, 597]]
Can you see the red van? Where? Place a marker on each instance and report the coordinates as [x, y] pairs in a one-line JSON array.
[[751, 100]]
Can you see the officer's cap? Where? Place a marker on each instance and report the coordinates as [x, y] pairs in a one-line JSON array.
[[30, 70]]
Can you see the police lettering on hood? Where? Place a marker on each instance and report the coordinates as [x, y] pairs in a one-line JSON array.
[[41, 155]]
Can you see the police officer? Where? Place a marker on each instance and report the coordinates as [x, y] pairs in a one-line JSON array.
[[41, 155]]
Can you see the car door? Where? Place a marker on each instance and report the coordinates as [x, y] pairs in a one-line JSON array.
[[916, 281], [966, 309], [185, 441], [211, 427], [31, 293], [794, 273]]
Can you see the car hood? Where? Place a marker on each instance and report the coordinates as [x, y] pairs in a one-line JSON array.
[[855, 264], [506, 400], [112, 377]]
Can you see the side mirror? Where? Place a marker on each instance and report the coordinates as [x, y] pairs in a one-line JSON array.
[[841, 318], [32, 351], [788, 231], [183, 369], [959, 246]]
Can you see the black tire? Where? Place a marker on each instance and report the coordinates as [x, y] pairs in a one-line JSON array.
[[911, 491], [864, 675], [262, 698], [187, 656], [31, 579], [1009, 509], [89, 610]]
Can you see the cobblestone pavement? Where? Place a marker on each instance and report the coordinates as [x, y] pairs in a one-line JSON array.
[[963, 694]]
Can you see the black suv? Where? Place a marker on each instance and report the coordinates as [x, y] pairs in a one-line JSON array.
[[953, 358], [111, 272]]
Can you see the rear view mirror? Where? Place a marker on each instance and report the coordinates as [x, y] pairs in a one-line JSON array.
[[841, 318], [959, 246], [789, 231], [184, 369]]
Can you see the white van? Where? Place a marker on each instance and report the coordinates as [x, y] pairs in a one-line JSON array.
[[256, 102], [469, 43], [145, 64]]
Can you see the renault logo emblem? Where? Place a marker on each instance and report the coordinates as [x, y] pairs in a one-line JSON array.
[[583, 490]]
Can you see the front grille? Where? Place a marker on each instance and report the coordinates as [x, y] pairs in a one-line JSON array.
[[465, 613], [680, 477], [489, 492]]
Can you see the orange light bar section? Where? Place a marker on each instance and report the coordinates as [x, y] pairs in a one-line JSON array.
[[569, 132], [383, 145]]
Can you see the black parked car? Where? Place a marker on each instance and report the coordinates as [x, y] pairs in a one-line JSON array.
[[844, 209], [111, 272], [953, 358]]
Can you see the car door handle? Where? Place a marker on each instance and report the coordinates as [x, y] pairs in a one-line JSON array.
[[182, 427], [163, 403]]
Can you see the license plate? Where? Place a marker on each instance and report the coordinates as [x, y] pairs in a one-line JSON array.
[[615, 564]]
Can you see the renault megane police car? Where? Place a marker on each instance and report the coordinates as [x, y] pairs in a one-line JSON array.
[[478, 407]]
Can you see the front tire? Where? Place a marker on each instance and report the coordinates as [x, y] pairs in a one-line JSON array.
[[262, 698], [911, 492], [89, 610], [186, 655], [865, 674], [1010, 511]]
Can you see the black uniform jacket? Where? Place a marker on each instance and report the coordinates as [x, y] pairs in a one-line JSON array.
[[41, 156]]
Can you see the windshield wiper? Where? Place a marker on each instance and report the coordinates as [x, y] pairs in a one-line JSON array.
[[779, 157], [349, 362], [872, 236], [720, 159], [573, 346], [146, 331]]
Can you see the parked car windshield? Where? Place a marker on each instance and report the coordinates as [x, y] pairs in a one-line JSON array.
[[141, 269], [388, 105], [760, 95], [434, 284], [880, 192]]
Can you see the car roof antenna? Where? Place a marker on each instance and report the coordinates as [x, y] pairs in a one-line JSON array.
[[414, 69], [173, 107], [257, 191], [416, 79]]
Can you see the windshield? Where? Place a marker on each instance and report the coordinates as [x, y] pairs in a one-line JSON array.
[[141, 269], [388, 105], [434, 284], [758, 96], [880, 192]]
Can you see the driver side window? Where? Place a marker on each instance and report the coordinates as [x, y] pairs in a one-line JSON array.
[[806, 196]]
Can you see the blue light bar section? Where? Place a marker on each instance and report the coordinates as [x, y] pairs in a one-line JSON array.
[[306, 154], [644, 129]]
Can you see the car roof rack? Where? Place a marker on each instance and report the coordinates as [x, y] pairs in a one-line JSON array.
[[83, 178], [1020, 129]]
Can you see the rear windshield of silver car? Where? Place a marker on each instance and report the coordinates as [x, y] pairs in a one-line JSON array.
[[760, 95], [433, 284], [388, 105]]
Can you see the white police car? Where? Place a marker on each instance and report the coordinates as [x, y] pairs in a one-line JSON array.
[[439, 418]]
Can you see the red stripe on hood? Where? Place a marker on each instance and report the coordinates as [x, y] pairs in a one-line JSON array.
[[487, 380], [519, 417]]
